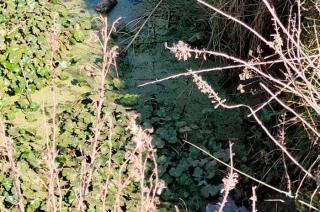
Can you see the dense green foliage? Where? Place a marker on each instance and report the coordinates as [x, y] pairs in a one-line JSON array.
[[191, 177], [24, 48], [27, 63], [23, 45], [26, 53]]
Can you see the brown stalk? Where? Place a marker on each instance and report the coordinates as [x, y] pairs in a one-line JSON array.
[[15, 173], [54, 181], [108, 58], [229, 182]]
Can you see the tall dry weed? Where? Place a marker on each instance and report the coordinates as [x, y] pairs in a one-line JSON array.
[[88, 168], [7, 150]]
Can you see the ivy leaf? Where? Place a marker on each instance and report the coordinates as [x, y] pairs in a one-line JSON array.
[[43, 71], [63, 76], [211, 168], [61, 159], [34, 204], [163, 159], [78, 34], [70, 174], [176, 171], [15, 54], [22, 103], [158, 142], [7, 183], [118, 83], [71, 197], [209, 190], [167, 133], [129, 99], [31, 117], [31, 4], [118, 157], [9, 66], [34, 106], [266, 115], [197, 172], [184, 179], [69, 125], [3, 19]]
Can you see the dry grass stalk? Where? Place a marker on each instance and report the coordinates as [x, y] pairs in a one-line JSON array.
[[304, 177], [281, 137], [219, 11], [254, 199], [310, 97], [229, 182], [108, 60], [143, 141], [139, 158], [286, 193], [3, 209], [8, 151], [106, 184], [183, 51], [304, 89], [54, 188], [142, 26], [313, 195], [229, 67]]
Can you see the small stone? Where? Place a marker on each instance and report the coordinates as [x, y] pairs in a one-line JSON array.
[[105, 6]]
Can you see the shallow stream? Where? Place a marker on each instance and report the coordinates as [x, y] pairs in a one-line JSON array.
[[174, 106]]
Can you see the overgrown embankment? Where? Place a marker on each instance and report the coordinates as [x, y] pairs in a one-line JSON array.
[[79, 133], [64, 143]]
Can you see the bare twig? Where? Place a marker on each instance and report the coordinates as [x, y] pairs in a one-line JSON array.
[[254, 199], [142, 26]]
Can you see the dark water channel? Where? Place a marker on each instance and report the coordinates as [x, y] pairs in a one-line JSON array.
[[174, 108]]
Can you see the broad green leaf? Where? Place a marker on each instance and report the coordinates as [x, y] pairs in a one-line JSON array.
[[7, 183], [167, 133], [43, 71], [78, 34], [209, 190], [15, 54], [197, 172], [158, 142]]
